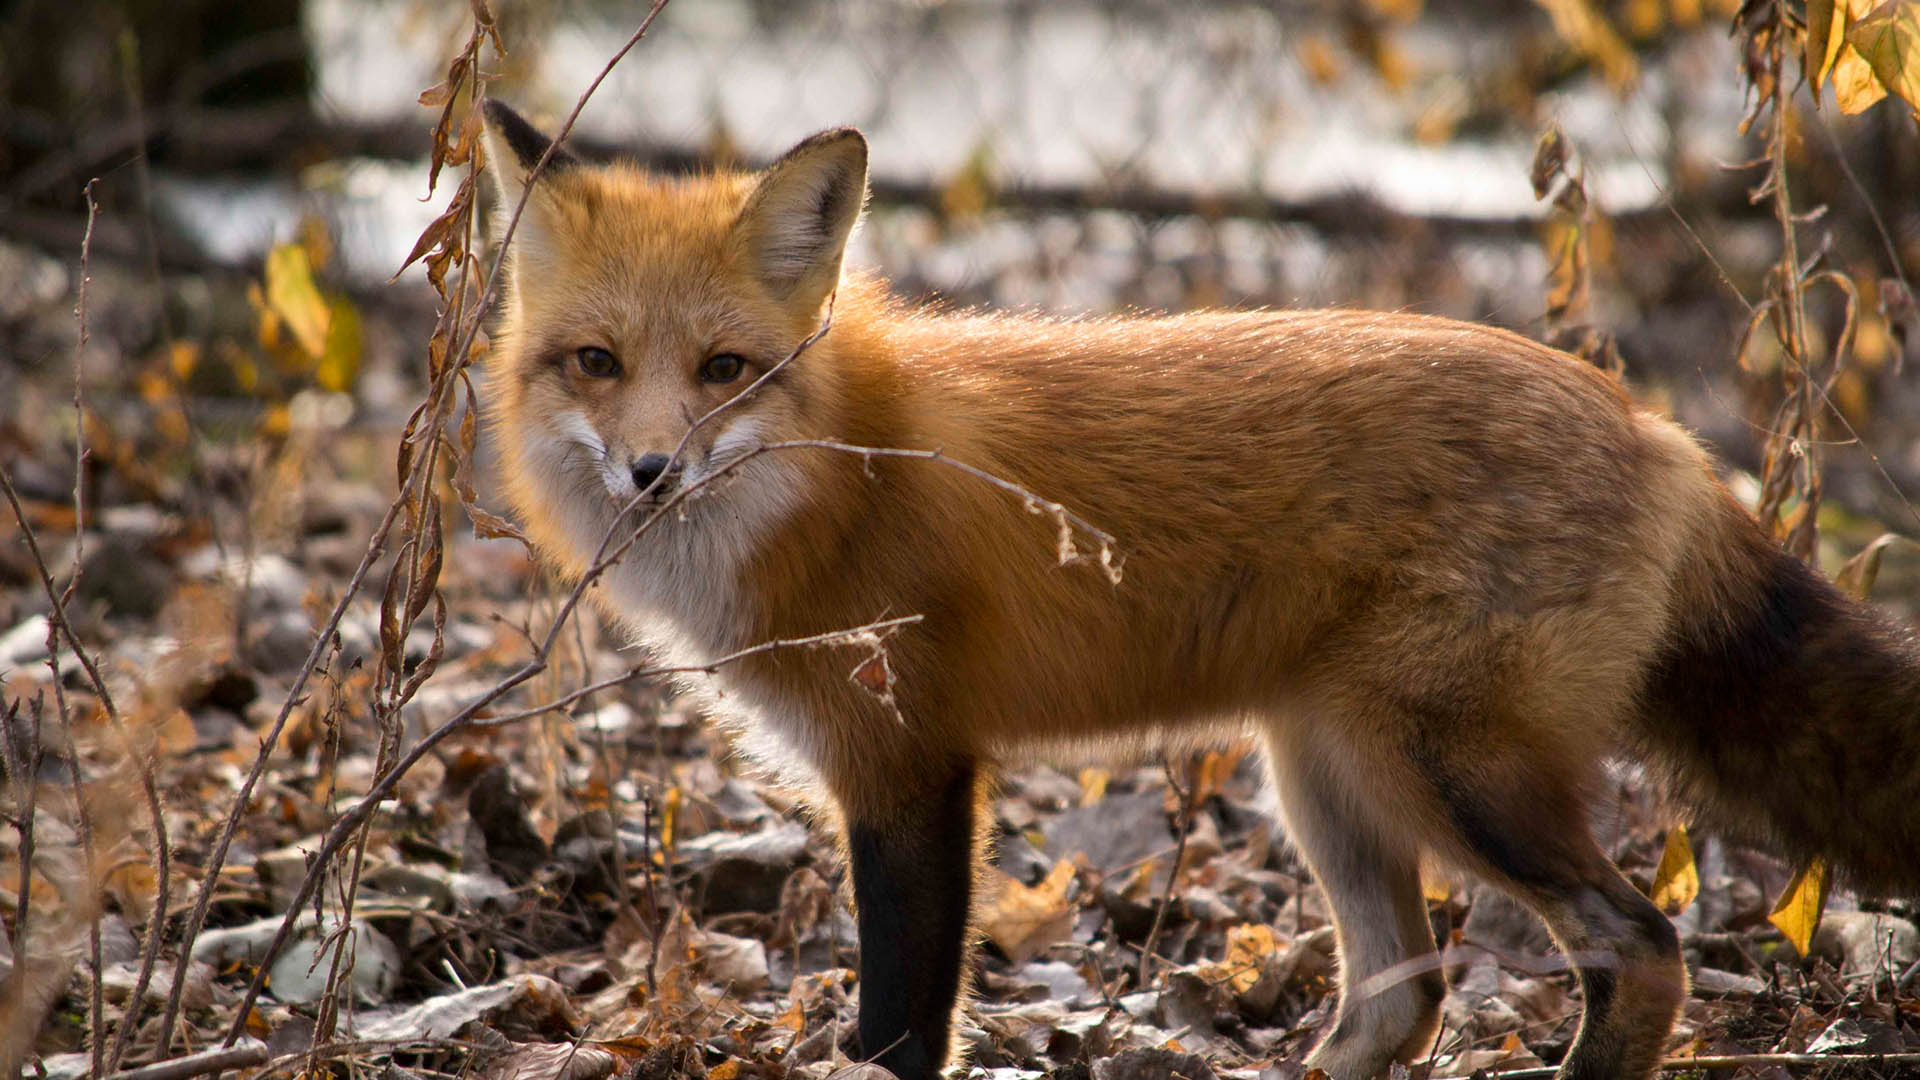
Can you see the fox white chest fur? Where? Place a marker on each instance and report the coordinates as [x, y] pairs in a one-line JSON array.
[[680, 591]]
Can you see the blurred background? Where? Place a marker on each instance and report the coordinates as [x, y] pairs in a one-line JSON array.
[[1080, 155]]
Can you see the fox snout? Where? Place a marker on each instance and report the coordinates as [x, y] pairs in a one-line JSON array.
[[649, 468]]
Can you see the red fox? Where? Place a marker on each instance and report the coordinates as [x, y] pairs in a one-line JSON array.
[[1443, 572]]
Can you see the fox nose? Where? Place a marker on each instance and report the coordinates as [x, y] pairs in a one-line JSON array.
[[648, 469]]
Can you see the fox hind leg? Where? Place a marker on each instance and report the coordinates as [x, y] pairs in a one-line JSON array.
[[1390, 980], [1523, 824]]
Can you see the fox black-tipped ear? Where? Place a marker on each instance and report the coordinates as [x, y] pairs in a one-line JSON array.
[[796, 223], [514, 147]]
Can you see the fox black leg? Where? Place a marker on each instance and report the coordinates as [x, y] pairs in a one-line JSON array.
[[913, 883]]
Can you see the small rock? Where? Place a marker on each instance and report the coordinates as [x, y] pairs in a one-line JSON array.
[[281, 641], [738, 804], [1152, 1065], [1863, 942], [514, 847], [29, 279], [533, 999], [738, 964], [1063, 981], [745, 872], [1120, 831], [24, 644], [73, 1066], [122, 573], [1712, 982], [245, 943], [299, 974], [1840, 1037]]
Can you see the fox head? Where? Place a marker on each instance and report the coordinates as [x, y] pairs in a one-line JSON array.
[[636, 304]]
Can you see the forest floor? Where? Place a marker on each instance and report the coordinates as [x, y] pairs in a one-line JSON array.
[[606, 891]]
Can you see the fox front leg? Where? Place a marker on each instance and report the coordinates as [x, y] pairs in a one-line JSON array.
[[912, 851]]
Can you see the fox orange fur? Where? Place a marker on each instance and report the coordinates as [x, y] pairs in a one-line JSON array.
[[1442, 571]]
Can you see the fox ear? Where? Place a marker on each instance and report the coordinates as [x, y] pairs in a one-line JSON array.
[[796, 223], [514, 147]]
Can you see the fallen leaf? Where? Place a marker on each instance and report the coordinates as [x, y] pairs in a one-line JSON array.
[[1093, 785], [1797, 914], [1025, 919], [1677, 881]]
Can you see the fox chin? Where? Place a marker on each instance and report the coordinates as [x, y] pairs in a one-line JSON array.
[[1442, 572]]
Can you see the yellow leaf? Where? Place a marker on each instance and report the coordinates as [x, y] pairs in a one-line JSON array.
[[182, 358], [1677, 881], [1826, 32], [292, 295], [277, 421], [1398, 10], [670, 815], [1023, 919], [1797, 914], [1216, 768], [1093, 785], [1644, 18], [318, 242], [339, 365], [1320, 59], [1857, 576], [971, 189], [1248, 946], [1854, 85], [1888, 41], [1587, 32]]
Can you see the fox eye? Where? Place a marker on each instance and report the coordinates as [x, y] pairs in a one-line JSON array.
[[722, 368], [598, 363]]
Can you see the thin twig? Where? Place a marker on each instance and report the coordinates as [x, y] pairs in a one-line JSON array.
[[80, 394], [1730, 1061], [1186, 797], [830, 637], [200, 1064]]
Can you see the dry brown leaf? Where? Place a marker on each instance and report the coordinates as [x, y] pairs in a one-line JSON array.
[[1856, 577], [1888, 42], [1248, 947], [1024, 919]]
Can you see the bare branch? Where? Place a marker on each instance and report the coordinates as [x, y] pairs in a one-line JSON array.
[[200, 1064]]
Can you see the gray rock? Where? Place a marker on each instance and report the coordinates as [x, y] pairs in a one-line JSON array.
[[1863, 942], [1119, 831], [1152, 1065]]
